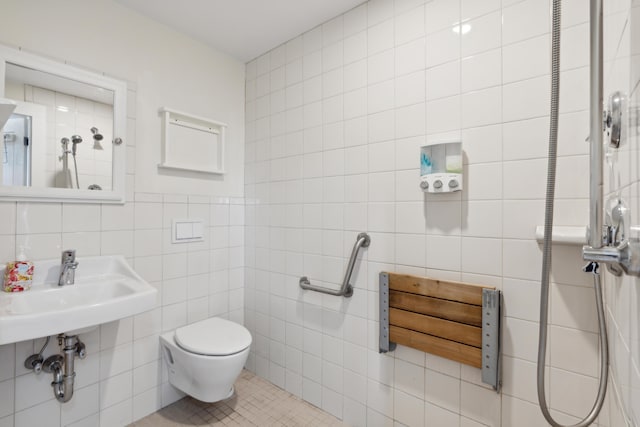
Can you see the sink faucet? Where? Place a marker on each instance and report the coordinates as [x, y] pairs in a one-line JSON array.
[[68, 268]]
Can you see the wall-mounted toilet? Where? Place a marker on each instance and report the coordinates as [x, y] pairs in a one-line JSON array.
[[205, 358]]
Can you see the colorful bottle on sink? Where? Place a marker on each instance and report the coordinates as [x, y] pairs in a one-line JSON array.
[[18, 274]]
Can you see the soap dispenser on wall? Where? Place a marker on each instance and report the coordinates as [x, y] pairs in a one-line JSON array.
[[441, 167]]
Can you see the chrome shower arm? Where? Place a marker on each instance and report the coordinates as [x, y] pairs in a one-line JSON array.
[[596, 150]]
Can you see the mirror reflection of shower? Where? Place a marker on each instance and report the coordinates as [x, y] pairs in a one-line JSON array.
[[97, 137], [67, 177]]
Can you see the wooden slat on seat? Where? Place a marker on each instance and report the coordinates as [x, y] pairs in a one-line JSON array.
[[453, 291], [438, 317], [440, 347], [446, 329], [445, 309]]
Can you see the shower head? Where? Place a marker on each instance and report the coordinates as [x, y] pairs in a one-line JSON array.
[[97, 137], [75, 140]]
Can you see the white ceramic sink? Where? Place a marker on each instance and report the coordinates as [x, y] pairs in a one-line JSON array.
[[105, 289]]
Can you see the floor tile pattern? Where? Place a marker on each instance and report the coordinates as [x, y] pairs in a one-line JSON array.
[[255, 403]]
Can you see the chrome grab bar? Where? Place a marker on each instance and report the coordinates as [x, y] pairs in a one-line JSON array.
[[346, 290]]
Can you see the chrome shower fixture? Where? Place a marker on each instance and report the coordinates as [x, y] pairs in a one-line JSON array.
[[75, 140], [97, 137], [595, 225], [613, 245], [613, 118], [65, 151]]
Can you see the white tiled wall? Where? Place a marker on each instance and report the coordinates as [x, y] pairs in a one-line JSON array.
[[622, 73], [123, 377], [335, 118]]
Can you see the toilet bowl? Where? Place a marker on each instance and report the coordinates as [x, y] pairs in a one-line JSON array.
[[205, 358]]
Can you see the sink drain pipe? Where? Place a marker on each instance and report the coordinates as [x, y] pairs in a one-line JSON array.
[[62, 367]]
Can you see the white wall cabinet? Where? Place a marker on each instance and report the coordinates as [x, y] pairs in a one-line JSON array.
[[192, 143]]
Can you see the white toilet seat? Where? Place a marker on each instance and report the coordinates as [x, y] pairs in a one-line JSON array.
[[213, 337]]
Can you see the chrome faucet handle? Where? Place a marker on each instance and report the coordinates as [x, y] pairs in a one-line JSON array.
[[68, 256], [67, 268]]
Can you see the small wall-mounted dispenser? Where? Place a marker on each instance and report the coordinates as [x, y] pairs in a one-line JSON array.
[[441, 167]]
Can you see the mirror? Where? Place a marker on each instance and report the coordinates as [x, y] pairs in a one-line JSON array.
[[63, 141]]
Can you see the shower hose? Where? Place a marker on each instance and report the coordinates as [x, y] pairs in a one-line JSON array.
[[75, 166], [546, 256]]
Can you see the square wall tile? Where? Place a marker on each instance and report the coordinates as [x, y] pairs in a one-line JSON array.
[[444, 252], [472, 9], [410, 250], [482, 70], [378, 10], [484, 34], [526, 59], [410, 121], [38, 218], [482, 256], [410, 88], [380, 66], [442, 46], [524, 20], [7, 406], [84, 243], [441, 14], [355, 20], [8, 213], [536, 90], [333, 56], [410, 57], [333, 30], [483, 144], [39, 246], [409, 25], [480, 404], [443, 80], [47, 413], [443, 115], [408, 409], [482, 107]]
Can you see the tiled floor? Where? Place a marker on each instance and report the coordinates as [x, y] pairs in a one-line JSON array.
[[256, 403]]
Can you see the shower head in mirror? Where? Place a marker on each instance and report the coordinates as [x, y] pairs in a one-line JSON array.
[[97, 137], [75, 140], [102, 100], [96, 134]]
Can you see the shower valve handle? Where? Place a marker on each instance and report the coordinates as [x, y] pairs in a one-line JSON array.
[[605, 254], [624, 257]]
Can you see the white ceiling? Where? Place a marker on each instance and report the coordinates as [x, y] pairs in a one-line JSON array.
[[243, 28]]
